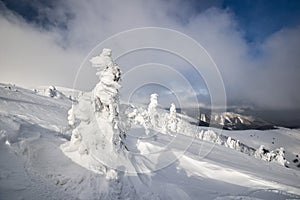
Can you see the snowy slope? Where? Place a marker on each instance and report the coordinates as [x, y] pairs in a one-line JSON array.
[[32, 165], [58, 92], [18, 104], [272, 139]]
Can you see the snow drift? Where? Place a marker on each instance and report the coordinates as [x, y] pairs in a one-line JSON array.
[[129, 152]]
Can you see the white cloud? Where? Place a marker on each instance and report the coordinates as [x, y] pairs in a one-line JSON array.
[[31, 56]]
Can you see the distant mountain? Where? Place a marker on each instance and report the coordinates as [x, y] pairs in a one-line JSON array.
[[234, 121]]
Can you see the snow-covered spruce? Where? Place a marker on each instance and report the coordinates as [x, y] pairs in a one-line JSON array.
[[106, 94], [95, 119], [140, 116], [152, 111], [52, 92], [271, 156], [171, 121], [71, 116], [149, 119]]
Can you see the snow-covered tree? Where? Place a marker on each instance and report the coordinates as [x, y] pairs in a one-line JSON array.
[[141, 117], [98, 137], [203, 117], [152, 111], [232, 143], [51, 91], [280, 156], [95, 119], [149, 118], [171, 120], [271, 156], [106, 93]]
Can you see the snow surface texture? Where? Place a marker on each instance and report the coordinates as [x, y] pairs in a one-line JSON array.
[[163, 155]]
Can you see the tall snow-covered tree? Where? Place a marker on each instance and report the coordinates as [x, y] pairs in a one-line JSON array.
[[95, 118], [106, 93], [152, 112]]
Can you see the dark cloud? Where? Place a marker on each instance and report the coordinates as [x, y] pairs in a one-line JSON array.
[[46, 14]]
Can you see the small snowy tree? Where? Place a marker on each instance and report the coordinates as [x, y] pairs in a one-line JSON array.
[[203, 117], [152, 112], [149, 118], [153, 104], [271, 156], [261, 152], [232, 143], [71, 116], [280, 156], [51, 91], [171, 120]]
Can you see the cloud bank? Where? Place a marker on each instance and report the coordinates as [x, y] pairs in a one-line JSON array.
[[49, 51]]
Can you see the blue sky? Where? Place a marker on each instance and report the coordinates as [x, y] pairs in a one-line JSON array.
[[254, 43], [260, 18]]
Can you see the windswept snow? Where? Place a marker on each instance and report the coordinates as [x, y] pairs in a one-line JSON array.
[[98, 148]]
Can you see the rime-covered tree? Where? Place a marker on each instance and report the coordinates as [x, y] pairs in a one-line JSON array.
[[152, 112], [52, 92], [95, 119], [106, 93], [278, 155], [171, 120]]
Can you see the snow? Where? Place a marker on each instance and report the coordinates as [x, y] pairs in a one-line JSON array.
[[58, 92], [54, 148], [272, 139]]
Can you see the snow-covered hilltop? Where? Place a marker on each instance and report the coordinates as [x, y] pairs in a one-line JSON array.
[[93, 147], [234, 121], [58, 92]]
